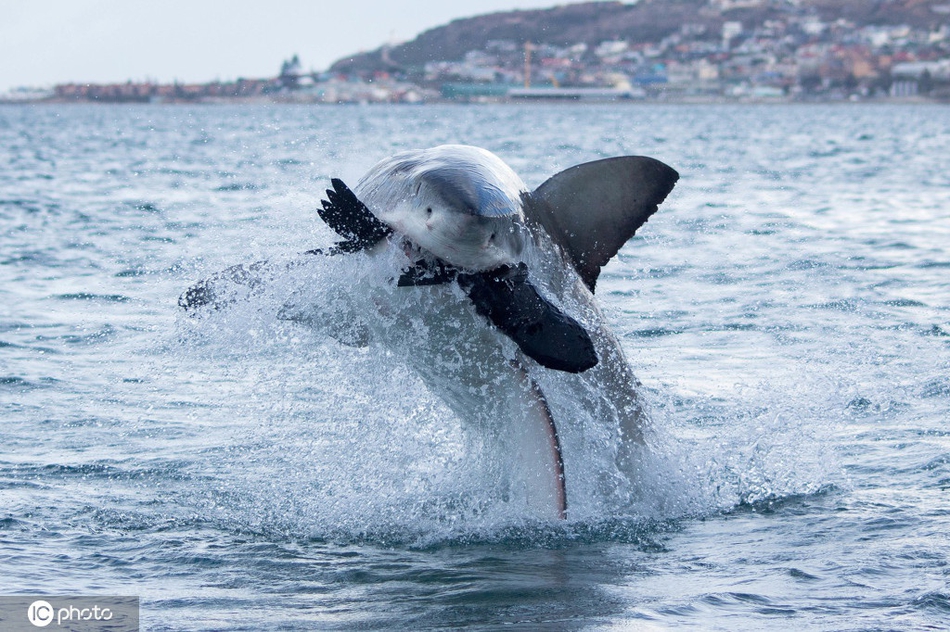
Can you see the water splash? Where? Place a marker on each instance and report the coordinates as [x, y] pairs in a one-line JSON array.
[[347, 443]]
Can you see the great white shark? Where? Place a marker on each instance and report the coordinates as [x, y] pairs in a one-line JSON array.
[[486, 290]]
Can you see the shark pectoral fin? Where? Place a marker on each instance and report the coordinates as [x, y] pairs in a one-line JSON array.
[[343, 212], [542, 331], [591, 210], [223, 288], [241, 282]]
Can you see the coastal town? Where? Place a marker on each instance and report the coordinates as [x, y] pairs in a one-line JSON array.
[[795, 55]]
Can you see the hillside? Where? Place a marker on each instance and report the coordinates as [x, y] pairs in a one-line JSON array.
[[643, 22]]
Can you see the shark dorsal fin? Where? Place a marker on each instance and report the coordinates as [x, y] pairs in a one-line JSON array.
[[592, 209]]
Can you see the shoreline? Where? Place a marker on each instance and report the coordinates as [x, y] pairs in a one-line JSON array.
[[915, 100]]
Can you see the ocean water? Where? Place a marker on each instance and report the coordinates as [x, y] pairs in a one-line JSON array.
[[787, 311]]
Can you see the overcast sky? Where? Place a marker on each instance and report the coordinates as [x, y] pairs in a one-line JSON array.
[[45, 42]]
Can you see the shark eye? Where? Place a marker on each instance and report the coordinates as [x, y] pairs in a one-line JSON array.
[[429, 211], [491, 238]]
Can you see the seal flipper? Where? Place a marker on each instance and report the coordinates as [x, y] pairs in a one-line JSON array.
[[351, 219], [592, 209], [427, 272], [542, 331]]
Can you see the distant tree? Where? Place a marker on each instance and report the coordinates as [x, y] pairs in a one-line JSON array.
[[290, 73], [882, 85], [925, 84], [810, 83]]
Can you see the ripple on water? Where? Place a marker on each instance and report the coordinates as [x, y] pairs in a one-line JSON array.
[[88, 296], [938, 602], [786, 309]]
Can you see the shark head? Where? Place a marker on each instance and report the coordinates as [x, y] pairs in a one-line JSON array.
[[461, 204]]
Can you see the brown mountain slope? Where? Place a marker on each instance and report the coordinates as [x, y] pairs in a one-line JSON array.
[[645, 21]]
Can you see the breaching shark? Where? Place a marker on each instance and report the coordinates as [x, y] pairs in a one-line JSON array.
[[486, 290]]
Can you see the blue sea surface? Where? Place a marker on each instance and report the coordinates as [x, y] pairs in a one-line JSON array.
[[787, 311]]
